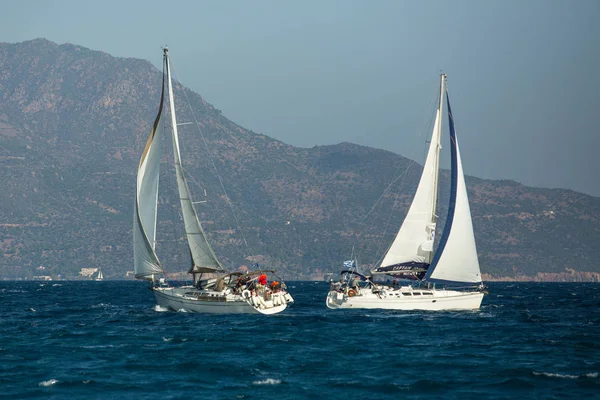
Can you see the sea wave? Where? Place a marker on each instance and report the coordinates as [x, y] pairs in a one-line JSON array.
[[49, 382], [268, 381], [566, 376], [74, 346]]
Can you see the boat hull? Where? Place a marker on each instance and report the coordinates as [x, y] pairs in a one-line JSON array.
[[434, 300], [192, 300]]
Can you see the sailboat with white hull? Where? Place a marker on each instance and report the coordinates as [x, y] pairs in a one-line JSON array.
[[221, 292], [448, 277]]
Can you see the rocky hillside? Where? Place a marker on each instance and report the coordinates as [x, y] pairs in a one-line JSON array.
[[73, 123]]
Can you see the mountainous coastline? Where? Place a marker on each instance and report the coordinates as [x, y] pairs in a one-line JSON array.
[[74, 121]]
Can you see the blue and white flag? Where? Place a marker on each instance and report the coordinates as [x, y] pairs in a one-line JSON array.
[[349, 264]]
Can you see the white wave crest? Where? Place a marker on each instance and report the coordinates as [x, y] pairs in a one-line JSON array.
[[158, 308], [553, 375], [49, 382], [167, 339], [104, 305], [98, 346], [566, 376], [268, 381]]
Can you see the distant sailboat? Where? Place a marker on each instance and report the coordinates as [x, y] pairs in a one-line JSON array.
[[99, 277], [221, 292], [449, 276]]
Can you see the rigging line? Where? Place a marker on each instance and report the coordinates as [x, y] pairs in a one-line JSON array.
[[433, 111], [210, 157], [379, 200], [377, 203], [387, 189], [184, 233], [199, 184], [170, 201], [179, 242], [379, 259], [412, 162]]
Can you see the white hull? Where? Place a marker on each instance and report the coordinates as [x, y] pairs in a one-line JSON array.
[[406, 299], [207, 301]]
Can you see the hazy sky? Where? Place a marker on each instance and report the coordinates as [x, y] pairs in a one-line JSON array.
[[523, 75]]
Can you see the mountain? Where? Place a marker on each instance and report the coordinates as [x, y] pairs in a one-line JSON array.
[[73, 123]]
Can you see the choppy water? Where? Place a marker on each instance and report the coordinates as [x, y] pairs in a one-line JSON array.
[[106, 340]]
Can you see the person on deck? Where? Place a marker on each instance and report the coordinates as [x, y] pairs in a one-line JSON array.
[[262, 279], [220, 286], [337, 286]]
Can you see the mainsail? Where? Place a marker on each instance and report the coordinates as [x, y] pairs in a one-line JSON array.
[[204, 258], [145, 260], [413, 245], [455, 260]]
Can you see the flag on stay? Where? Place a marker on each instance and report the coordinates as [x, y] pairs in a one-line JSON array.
[[349, 264]]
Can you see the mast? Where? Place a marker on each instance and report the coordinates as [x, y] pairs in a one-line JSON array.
[[437, 160], [177, 156], [203, 256]]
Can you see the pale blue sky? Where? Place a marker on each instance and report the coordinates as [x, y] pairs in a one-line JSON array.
[[523, 74]]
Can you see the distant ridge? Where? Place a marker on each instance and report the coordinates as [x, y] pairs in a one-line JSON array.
[[73, 122]]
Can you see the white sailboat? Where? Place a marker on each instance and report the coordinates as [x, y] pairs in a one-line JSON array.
[[448, 276], [99, 277], [222, 292]]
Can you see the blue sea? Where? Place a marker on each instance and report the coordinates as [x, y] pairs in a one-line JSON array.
[[107, 340]]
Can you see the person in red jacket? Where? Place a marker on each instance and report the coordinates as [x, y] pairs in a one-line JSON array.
[[262, 279]]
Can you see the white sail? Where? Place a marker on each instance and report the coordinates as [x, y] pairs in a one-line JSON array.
[[145, 260], [414, 240], [203, 256], [456, 257], [458, 261]]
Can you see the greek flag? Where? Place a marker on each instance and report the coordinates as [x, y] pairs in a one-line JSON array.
[[349, 264]]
